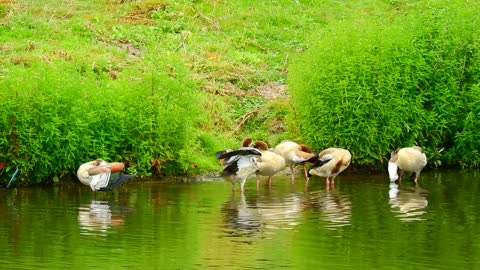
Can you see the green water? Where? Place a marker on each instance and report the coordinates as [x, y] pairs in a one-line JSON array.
[[363, 223]]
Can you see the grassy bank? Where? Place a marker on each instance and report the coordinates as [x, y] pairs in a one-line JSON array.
[[162, 85]]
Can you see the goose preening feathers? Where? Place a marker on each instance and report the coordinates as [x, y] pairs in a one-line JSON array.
[[239, 164], [331, 162], [269, 164], [102, 176], [295, 154], [407, 159]]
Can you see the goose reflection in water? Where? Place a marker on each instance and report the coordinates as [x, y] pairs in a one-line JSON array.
[[407, 204], [240, 219], [279, 213], [335, 207], [263, 215], [96, 218]]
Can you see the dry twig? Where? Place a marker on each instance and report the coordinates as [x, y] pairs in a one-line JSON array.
[[244, 119]]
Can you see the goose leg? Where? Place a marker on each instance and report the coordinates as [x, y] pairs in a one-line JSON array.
[[292, 170], [258, 182], [305, 172], [332, 181], [331, 186], [241, 185], [417, 175], [269, 181]]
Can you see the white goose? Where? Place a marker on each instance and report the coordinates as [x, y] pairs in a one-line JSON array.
[[407, 159]]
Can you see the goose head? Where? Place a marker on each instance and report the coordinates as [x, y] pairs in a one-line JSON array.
[[392, 166], [261, 145]]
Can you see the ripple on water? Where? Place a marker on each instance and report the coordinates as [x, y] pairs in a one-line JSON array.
[[260, 216], [96, 218], [363, 223], [409, 203], [334, 208]]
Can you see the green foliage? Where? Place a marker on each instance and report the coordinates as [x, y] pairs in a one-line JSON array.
[[375, 83], [55, 117], [231, 49], [467, 138]]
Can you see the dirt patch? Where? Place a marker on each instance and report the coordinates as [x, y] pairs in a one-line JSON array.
[[21, 61], [142, 14], [130, 47], [272, 90], [56, 54], [276, 126]]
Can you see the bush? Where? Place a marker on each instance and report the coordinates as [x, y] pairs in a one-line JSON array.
[[55, 117], [375, 83]]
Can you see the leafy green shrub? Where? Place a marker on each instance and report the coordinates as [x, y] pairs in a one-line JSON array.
[[467, 138], [55, 117], [375, 83]]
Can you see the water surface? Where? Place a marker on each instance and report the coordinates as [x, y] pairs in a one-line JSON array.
[[364, 222]]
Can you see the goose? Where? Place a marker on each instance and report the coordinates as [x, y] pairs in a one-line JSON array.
[[102, 176], [245, 145], [407, 159], [295, 154], [331, 162], [239, 164], [269, 164]]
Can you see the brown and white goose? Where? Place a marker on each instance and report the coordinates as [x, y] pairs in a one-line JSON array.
[[102, 176], [295, 154], [407, 159], [245, 145], [331, 162], [269, 164], [239, 164]]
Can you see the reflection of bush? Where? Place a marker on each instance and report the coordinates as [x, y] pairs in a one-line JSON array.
[[56, 117], [373, 83]]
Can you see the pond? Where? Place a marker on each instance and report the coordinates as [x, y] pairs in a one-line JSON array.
[[363, 222]]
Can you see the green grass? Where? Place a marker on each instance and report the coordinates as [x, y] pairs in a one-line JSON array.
[[230, 47], [222, 65], [56, 54]]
